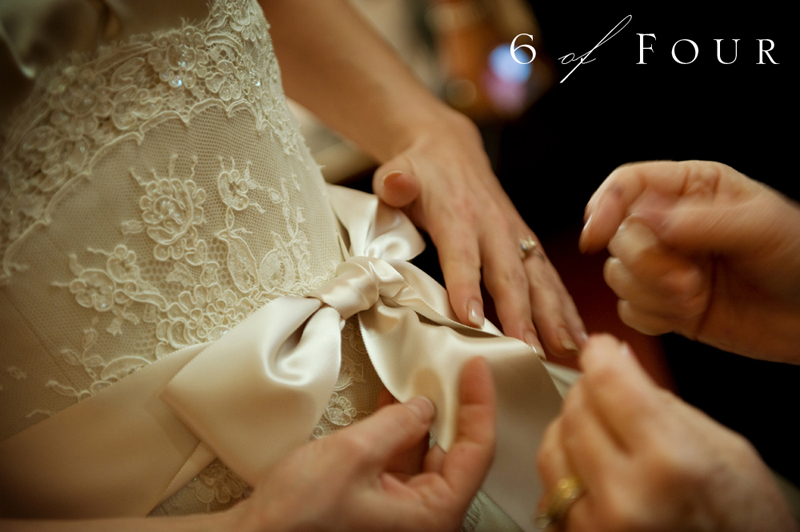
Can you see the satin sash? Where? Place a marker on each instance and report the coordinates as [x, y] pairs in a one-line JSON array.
[[257, 393]]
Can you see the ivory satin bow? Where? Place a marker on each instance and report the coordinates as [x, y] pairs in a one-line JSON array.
[[256, 393]]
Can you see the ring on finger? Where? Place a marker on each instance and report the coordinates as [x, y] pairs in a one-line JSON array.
[[565, 493], [528, 246]]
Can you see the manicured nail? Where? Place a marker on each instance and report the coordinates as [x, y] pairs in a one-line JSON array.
[[567, 342], [475, 313], [584, 235], [533, 343], [422, 407], [390, 176]]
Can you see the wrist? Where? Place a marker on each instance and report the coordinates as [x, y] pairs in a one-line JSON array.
[[425, 125]]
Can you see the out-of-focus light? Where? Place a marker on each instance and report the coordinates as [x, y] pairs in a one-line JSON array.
[[504, 67]]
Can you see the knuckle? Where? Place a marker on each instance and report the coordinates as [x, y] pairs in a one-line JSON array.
[[458, 252], [504, 223], [702, 177], [677, 282]]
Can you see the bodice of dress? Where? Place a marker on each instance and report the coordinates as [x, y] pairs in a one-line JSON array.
[[154, 191]]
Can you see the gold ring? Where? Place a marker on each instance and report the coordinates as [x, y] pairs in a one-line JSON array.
[[566, 492], [528, 246]]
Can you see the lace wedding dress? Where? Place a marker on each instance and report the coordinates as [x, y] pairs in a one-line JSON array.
[[154, 191]]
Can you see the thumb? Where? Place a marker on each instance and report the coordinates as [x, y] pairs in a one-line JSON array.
[[395, 188], [394, 429], [702, 226]]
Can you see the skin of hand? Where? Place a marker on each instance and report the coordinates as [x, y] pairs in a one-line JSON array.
[[649, 461], [347, 481], [432, 164], [476, 230], [702, 250]]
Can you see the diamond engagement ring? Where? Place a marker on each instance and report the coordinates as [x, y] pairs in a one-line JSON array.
[[527, 246]]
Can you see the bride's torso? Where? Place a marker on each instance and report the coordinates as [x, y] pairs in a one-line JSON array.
[[154, 191]]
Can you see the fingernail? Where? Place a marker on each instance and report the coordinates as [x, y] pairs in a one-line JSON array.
[[582, 245], [567, 342], [626, 350], [533, 343], [586, 224], [422, 407], [475, 313], [391, 175]]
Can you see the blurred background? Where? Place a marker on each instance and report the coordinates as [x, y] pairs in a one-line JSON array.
[[551, 144]]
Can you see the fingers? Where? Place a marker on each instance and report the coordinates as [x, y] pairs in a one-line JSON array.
[[555, 464], [461, 267], [476, 231], [641, 252], [736, 227], [551, 460], [507, 280], [590, 445], [557, 320], [409, 462], [611, 203], [660, 290], [531, 301], [621, 393], [647, 460], [469, 457]]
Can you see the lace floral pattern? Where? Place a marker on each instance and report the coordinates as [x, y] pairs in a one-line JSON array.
[[172, 209], [88, 103], [218, 485]]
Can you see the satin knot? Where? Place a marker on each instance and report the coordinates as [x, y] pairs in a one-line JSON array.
[[359, 283]]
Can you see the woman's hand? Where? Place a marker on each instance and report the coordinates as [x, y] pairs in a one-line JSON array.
[[700, 249], [347, 481], [648, 461], [335, 64], [444, 182], [360, 478]]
